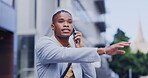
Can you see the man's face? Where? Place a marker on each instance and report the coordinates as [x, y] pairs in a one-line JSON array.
[[63, 26]]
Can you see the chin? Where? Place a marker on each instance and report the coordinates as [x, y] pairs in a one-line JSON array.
[[66, 35]]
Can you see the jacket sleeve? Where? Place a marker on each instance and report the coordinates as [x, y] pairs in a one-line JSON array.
[[48, 52]]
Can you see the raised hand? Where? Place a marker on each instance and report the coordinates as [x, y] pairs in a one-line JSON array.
[[79, 39], [113, 49]]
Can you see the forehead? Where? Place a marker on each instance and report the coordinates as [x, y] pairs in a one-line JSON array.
[[63, 15]]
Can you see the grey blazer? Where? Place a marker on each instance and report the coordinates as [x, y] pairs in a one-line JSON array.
[[51, 59]]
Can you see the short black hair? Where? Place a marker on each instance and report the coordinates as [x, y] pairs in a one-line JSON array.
[[58, 12]]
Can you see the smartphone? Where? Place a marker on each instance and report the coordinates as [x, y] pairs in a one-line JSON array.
[[76, 41]]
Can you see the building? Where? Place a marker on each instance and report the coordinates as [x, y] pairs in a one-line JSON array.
[[22, 22], [8, 39], [140, 43]]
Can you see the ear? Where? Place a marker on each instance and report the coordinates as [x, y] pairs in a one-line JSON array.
[[53, 27]]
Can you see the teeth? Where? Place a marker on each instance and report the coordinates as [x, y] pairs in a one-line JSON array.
[[66, 30]]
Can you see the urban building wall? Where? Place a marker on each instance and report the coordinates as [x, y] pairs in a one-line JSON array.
[[8, 39], [28, 20]]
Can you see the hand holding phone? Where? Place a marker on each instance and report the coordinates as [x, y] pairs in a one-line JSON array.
[[78, 38]]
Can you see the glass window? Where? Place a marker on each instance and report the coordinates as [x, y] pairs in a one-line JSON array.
[[25, 56]]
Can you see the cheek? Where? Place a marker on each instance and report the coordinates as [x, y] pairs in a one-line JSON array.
[[71, 27], [57, 29], [58, 26]]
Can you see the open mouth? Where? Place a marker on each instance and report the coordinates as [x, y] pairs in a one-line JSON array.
[[66, 30]]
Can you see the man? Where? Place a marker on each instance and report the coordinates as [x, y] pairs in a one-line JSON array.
[[54, 53]]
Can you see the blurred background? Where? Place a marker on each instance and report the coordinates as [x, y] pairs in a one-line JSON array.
[[102, 22]]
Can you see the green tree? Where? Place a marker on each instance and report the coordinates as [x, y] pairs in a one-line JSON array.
[[122, 63]]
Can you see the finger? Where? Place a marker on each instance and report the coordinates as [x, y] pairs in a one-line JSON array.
[[79, 34], [124, 44], [77, 38], [76, 41], [117, 46], [120, 46], [120, 52]]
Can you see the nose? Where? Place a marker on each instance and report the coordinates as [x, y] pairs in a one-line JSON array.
[[66, 24]]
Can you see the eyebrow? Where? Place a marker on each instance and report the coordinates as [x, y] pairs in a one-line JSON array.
[[63, 19], [69, 19]]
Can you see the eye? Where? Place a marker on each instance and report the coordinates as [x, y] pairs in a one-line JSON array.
[[69, 22], [60, 21]]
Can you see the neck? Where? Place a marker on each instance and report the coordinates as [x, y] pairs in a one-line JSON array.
[[63, 41]]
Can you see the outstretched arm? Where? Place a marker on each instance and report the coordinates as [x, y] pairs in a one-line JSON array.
[[111, 50]]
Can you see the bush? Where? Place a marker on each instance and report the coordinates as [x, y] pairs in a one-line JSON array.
[[121, 64]]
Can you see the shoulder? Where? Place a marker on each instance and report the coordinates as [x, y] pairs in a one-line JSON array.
[[46, 40]]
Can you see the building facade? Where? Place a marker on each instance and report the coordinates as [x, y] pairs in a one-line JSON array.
[[22, 22], [8, 39]]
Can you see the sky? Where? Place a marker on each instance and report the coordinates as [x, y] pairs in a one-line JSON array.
[[126, 14]]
